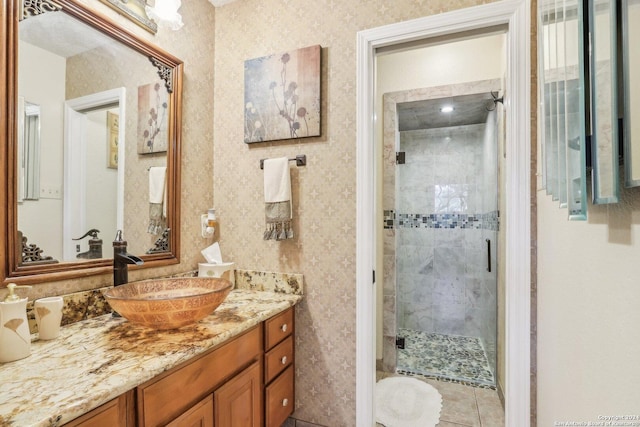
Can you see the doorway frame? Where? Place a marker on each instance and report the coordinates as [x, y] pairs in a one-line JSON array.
[[515, 14], [75, 144]]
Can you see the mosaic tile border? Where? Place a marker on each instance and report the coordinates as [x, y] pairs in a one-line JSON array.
[[453, 358], [485, 221]]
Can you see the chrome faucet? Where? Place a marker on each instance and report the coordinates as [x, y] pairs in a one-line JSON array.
[[121, 259]]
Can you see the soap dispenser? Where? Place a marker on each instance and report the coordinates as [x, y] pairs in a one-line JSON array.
[[15, 339]]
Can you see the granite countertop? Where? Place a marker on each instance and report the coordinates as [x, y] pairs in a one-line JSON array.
[[96, 360]]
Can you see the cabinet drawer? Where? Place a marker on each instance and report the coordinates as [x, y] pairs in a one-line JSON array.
[[279, 399], [277, 359], [278, 328], [162, 400]]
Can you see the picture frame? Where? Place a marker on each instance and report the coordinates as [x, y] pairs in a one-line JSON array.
[[153, 111], [113, 124], [134, 10], [282, 96]]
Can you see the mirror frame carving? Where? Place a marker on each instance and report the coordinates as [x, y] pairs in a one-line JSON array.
[[170, 69]]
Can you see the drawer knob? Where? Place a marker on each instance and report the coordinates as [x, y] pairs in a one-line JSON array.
[[284, 327], [285, 402], [284, 360]]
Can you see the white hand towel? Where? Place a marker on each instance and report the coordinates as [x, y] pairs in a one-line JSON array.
[[156, 183], [277, 197], [157, 195]]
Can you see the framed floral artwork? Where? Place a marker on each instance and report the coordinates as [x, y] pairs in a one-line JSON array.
[[282, 96], [153, 107]]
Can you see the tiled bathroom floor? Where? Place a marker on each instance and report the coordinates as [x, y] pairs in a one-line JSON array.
[[464, 406], [444, 357]]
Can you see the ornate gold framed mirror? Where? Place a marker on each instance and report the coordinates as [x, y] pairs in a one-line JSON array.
[[90, 132]]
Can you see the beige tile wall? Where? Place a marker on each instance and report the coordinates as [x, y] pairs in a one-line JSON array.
[[324, 191]]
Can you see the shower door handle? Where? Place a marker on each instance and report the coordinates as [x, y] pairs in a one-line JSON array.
[[488, 255]]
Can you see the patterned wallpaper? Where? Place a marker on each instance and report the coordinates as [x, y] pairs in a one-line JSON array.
[[324, 192]]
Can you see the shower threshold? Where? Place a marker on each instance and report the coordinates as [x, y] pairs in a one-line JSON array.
[[450, 358]]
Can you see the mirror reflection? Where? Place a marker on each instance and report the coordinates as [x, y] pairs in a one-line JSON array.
[[604, 102], [109, 111], [631, 73], [28, 150], [562, 83], [103, 116]]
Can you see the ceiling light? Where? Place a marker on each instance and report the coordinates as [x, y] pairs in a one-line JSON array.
[[446, 109], [165, 13]]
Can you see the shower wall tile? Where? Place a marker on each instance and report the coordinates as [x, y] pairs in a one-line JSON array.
[[449, 319], [474, 322], [473, 240], [389, 310], [415, 236], [449, 291], [389, 274], [420, 197], [477, 295], [415, 259], [418, 289], [451, 198], [449, 263], [449, 238], [389, 239], [389, 353], [433, 201], [417, 316], [476, 264]]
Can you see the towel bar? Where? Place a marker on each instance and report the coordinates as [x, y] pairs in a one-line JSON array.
[[300, 159]]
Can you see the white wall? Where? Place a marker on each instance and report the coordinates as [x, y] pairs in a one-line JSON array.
[[41, 220], [588, 312], [457, 62]]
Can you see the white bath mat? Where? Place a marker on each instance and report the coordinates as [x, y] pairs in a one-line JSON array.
[[407, 402]]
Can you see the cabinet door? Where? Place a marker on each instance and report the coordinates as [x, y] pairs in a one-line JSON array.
[[238, 402], [201, 415], [117, 413]]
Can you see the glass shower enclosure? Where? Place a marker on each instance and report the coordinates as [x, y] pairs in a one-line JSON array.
[[445, 229]]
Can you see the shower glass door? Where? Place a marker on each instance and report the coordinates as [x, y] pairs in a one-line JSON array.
[[446, 228]]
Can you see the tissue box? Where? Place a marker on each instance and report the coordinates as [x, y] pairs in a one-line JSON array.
[[224, 270]]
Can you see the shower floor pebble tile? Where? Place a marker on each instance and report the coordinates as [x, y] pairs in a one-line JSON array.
[[449, 357], [463, 405]]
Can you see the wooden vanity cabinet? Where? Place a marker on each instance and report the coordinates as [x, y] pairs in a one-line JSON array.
[[279, 392], [245, 382]]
